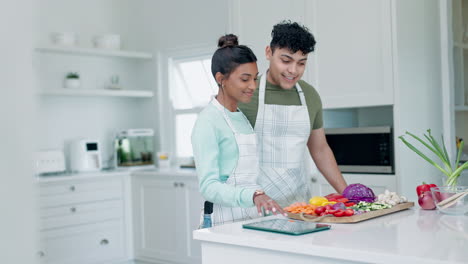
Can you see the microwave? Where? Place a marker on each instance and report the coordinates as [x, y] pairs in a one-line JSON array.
[[362, 149]]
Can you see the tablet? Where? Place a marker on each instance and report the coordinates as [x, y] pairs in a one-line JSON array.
[[287, 226]]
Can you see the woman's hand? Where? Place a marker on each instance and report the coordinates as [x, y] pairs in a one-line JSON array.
[[268, 204]]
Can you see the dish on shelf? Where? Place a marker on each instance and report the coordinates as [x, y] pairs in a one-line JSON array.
[[96, 52]]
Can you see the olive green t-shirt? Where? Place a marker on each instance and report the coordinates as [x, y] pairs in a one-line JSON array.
[[274, 94]]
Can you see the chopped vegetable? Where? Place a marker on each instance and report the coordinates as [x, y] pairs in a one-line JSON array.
[[390, 198], [339, 206], [318, 200], [297, 208], [367, 207], [333, 196], [358, 192]]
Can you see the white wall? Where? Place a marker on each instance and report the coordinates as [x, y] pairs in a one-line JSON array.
[[86, 18], [18, 211], [418, 101]]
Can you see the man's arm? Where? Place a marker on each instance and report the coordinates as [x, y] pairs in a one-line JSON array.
[[325, 160]]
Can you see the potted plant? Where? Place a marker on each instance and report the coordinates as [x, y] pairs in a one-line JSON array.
[[72, 80], [451, 170]]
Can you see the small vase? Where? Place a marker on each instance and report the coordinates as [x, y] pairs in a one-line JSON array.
[[72, 83], [451, 183]]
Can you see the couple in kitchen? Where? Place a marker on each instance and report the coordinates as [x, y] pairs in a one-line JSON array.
[[249, 143]]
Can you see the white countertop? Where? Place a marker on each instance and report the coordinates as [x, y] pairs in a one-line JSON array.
[[410, 236], [171, 172], [81, 175], [167, 172]]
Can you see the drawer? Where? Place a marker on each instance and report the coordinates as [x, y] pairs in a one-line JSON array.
[[98, 243], [71, 187], [76, 198], [56, 217]]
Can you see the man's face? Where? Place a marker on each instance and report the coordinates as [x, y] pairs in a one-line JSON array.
[[286, 67]]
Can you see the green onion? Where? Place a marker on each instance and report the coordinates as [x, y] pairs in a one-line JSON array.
[[451, 171]]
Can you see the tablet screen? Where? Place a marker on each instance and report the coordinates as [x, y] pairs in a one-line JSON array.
[[287, 226]]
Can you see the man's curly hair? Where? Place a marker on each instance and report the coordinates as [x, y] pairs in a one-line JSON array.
[[292, 36]]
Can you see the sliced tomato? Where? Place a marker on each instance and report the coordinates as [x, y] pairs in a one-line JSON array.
[[319, 210], [339, 213], [348, 204], [328, 207], [349, 212], [332, 211]]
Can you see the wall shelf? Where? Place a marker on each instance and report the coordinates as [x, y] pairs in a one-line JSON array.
[[98, 92], [96, 52]]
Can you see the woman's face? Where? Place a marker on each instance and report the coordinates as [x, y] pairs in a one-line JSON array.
[[241, 83]]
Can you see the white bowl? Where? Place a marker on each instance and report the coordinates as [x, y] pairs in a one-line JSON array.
[[63, 38], [443, 194], [107, 41]]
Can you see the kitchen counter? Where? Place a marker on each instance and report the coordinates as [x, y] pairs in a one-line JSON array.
[[82, 175], [178, 172], [172, 172], [410, 236]]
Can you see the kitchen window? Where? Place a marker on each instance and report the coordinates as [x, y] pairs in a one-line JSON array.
[[190, 88]]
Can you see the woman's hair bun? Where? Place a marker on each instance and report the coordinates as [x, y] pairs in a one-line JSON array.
[[228, 40]]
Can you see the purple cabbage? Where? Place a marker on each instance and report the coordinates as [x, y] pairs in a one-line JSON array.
[[339, 206], [358, 192]]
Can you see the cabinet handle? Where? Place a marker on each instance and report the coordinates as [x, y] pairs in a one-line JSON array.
[[41, 254], [72, 188], [104, 242], [176, 184], [73, 209], [313, 179], [181, 184]]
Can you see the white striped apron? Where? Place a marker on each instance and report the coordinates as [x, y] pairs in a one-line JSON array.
[[245, 174], [283, 132]]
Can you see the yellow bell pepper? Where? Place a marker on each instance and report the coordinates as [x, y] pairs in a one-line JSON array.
[[318, 200]]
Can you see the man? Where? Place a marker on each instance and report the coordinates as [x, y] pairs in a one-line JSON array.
[[286, 114]]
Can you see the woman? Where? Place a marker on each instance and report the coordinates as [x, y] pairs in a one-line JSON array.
[[224, 144]]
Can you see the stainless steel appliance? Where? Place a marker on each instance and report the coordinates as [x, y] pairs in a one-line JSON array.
[[134, 148], [85, 155], [362, 149]]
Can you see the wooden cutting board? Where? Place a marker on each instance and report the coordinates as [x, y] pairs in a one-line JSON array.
[[354, 218]]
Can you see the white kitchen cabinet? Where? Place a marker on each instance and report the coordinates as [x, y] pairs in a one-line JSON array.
[[84, 220], [253, 21], [166, 211], [352, 63]]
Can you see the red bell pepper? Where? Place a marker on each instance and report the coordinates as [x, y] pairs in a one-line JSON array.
[[424, 187], [342, 200], [332, 197]]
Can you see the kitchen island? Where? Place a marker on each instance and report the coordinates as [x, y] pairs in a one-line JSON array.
[[410, 236]]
